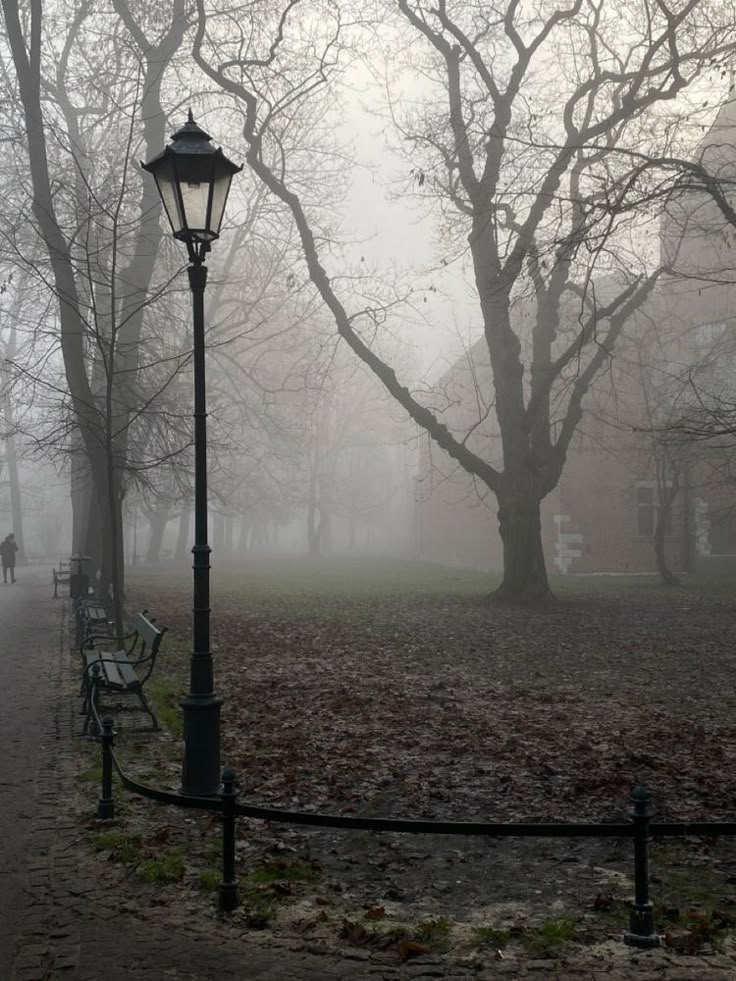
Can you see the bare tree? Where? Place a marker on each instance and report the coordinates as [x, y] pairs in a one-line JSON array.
[[525, 131], [118, 242]]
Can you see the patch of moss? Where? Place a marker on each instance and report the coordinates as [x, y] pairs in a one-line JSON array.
[[269, 884], [687, 891], [260, 905], [283, 871], [435, 934], [550, 938], [209, 880], [491, 937], [683, 878], [168, 867], [124, 848], [93, 774], [164, 693]]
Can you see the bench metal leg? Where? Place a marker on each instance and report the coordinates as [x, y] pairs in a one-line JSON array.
[[147, 708], [90, 709], [88, 715], [91, 703], [92, 687]]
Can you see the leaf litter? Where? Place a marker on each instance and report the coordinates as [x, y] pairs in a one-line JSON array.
[[455, 709]]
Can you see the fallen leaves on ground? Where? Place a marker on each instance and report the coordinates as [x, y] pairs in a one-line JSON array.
[[452, 709]]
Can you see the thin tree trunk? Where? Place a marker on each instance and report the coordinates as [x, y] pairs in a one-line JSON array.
[[245, 527], [313, 536], [667, 491], [182, 537], [16, 504], [157, 521], [11, 456], [85, 524], [666, 574], [218, 532], [688, 535]]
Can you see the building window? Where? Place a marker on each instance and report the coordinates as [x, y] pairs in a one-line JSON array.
[[647, 509]]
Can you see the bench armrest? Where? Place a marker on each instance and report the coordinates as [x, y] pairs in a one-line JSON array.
[[144, 665], [112, 657], [89, 669], [127, 640]]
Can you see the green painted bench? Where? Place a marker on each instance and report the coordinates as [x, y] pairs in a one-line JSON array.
[[62, 577], [93, 623], [119, 672]]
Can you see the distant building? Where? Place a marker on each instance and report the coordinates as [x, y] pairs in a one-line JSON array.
[[677, 358]]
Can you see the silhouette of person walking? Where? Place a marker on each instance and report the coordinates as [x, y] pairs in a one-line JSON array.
[[8, 548]]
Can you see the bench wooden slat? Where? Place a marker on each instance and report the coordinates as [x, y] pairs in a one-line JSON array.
[[94, 613], [120, 671], [115, 671], [113, 675], [125, 670]]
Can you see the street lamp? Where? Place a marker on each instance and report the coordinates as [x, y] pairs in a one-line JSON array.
[[193, 178]]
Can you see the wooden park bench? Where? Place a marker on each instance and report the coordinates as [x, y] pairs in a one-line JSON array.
[[119, 672], [93, 623], [62, 577]]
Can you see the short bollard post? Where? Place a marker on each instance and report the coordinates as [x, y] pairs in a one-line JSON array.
[[641, 923], [105, 803], [228, 893]]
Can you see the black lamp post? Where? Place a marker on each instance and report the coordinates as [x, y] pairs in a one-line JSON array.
[[193, 178]]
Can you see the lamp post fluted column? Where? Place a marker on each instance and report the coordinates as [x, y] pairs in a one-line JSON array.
[[201, 707], [193, 179]]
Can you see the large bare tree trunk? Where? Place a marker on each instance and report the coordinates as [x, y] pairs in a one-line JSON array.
[[524, 570]]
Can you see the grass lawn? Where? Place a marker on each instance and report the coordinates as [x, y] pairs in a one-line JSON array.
[[395, 688]]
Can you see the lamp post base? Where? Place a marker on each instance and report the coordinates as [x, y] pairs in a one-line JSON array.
[[200, 775]]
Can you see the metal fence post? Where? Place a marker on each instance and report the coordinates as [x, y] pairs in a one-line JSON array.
[[228, 893], [641, 923], [105, 803]]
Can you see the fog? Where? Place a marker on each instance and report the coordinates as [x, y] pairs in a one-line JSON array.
[[433, 311]]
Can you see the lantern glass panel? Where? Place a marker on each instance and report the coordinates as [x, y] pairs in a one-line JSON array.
[[195, 196], [220, 192], [195, 173], [165, 177]]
